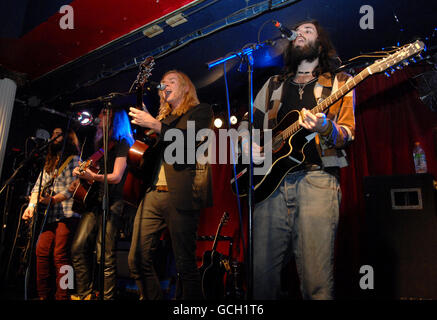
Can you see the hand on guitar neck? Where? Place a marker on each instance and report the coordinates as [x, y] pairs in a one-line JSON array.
[[313, 122], [144, 119], [84, 172]]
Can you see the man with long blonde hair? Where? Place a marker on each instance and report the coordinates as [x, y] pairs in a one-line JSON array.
[[178, 194]]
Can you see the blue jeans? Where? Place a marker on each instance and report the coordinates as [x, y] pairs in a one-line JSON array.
[[300, 218]]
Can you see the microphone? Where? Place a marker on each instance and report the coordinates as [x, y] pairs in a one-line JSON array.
[[157, 85], [161, 86], [286, 33], [37, 139]]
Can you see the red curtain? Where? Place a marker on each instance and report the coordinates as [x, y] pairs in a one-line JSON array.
[[389, 118]]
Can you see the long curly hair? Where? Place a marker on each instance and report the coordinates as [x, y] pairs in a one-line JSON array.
[[54, 150], [190, 99], [328, 58]]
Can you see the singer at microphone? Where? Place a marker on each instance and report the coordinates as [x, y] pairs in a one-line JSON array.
[[308, 76], [290, 35], [157, 85]]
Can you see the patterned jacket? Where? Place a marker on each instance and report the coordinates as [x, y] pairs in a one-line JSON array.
[[341, 127]]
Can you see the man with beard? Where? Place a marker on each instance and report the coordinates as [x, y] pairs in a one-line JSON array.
[[300, 218], [57, 234]]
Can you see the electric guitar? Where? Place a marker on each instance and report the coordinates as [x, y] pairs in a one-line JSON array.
[[213, 268], [27, 227], [143, 153], [290, 141]]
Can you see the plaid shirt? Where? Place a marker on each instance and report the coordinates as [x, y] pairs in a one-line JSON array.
[[62, 209]]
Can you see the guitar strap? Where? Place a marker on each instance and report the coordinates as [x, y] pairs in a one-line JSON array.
[[61, 168], [272, 107], [96, 156]]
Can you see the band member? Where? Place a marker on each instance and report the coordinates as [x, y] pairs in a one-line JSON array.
[[181, 190], [58, 230], [88, 235], [300, 218]]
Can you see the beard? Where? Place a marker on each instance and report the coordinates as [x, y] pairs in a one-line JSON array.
[[55, 148], [309, 52]]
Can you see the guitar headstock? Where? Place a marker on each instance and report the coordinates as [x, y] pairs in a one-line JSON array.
[[85, 165], [401, 57], [225, 218], [145, 72]]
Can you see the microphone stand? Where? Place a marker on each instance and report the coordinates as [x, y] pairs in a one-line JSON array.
[[26, 161], [246, 54], [35, 217], [105, 202], [107, 98]]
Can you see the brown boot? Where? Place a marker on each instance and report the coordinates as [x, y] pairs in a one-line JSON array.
[[141, 293]]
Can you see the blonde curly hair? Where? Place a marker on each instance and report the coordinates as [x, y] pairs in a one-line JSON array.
[[189, 101]]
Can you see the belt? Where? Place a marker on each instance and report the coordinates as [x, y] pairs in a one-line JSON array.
[[160, 188], [312, 167], [335, 171]]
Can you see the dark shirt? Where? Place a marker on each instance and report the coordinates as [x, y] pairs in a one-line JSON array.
[[291, 101], [115, 191]]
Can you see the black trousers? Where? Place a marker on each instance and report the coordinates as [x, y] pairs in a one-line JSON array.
[[155, 213], [89, 236]]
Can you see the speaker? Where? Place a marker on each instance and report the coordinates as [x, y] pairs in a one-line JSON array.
[[401, 229]]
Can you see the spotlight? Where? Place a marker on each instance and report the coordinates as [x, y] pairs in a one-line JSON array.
[[234, 120], [218, 123], [85, 118]]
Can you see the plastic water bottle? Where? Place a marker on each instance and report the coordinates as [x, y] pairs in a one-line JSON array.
[[419, 159]]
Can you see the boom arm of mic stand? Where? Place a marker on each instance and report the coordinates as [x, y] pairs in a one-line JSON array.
[[27, 160], [103, 99]]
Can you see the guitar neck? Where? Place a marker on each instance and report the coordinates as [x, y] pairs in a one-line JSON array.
[[214, 246], [139, 105], [326, 103]]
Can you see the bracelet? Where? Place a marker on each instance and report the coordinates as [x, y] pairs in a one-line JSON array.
[[32, 205], [328, 130]]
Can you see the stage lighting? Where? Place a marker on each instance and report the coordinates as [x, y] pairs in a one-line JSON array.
[[218, 123], [85, 118], [234, 120]]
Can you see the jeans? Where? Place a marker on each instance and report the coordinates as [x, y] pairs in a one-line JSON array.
[[155, 213], [53, 246], [88, 237], [299, 219]]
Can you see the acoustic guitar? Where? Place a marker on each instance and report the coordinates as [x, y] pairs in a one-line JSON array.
[[85, 190], [144, 152], [214, 267]]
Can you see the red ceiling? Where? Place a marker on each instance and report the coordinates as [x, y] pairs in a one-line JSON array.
[[96, 23]]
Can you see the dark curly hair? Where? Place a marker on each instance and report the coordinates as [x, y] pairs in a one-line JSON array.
[[54, 151], [328, 58]]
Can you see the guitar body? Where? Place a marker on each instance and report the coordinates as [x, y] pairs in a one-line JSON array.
[[84, 191], [288, 156], [143, 158], [212, 272], [213, 268]]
